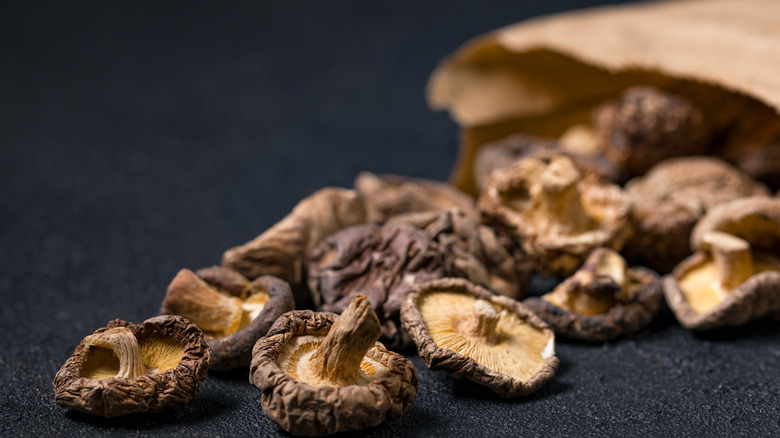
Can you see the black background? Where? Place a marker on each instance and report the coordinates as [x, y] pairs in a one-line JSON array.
[[141, 137]]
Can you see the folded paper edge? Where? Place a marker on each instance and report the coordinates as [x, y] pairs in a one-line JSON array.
[[719, 42]]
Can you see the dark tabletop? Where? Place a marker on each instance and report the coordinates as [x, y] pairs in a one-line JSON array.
[[140, 138]]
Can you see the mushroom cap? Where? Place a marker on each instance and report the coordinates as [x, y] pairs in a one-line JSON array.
[[502, 153], [636, 304], [474, 251], [519, 363], [274, 298], [380, 262], [645, 125], [509, 203], [304, 409], [388, 195], [671, 197], [755, 298], [170, 344], [755, 219], [283, 250], [754, 144]]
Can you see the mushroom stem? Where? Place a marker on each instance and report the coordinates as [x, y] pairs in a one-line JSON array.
[[123, 343], [196, 300], [733, 259], [482, 322], [557, 196], [338, 357], [606, 265]]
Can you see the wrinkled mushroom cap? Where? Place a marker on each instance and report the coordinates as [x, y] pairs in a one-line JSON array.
[[555, 214], [734, 277], [645, 125], [474, 251], [381, 262], [603, 300], [669, 200], [253, 307], [283, 250], [302, 403], [388, 195], [174, 360], [517, 356]]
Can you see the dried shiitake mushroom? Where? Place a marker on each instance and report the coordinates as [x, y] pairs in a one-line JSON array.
[[604, 299], [759, 160], [125, 368], [388, 195], [283, 250], [671, 197], [646, 125], [322, 373], [754, 145], [502, 153], [380, 262], [232, 312], [492, 340], [755, 219], [734, 277], [474, 251], [554, 213]]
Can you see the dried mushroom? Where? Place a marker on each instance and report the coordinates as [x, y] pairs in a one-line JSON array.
[[474, 251], [604, 299], [754, 145], [734, 276], [502, 153], [380, 262], [492, 340], [322, 374], [554, 213], [283, 250], [755, 219], [759, 160], [388, 195], [232, 312], [646, 125], [125, 368], [671, 197]]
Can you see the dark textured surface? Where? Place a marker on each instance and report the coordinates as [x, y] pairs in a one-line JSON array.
[[144, 138]]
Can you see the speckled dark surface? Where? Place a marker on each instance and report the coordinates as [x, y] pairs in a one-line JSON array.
[[137, 139]]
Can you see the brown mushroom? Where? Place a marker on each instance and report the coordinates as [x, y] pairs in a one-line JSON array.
[[322, 374], [604, 299], [492, 340], [232, 312], [755, 219], [759, 160], [388, 195], [646, 125], [125, 368], [502, 153], [380, 262], [474, 251], [754, 144], [554, 213], [671, 197], [734, 276], [283, 250]]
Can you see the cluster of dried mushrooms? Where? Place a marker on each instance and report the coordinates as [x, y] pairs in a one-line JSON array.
[[419, 264], [653, 180]]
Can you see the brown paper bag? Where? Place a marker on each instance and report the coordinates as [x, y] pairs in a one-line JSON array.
[[544, 75]]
